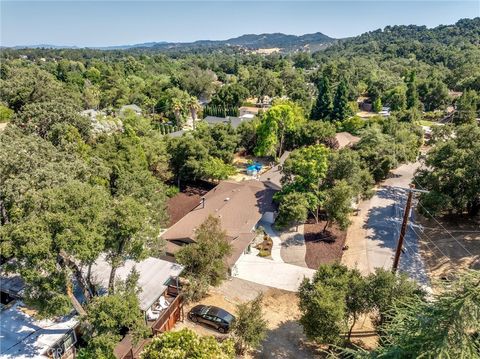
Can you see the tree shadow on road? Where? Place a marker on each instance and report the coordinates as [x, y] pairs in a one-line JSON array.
[[383, 222]]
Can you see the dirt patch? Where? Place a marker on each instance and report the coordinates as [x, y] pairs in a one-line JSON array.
[[323, 248], [186, 200], [285, 338], [241, 162], [449, 245], [3, 126]]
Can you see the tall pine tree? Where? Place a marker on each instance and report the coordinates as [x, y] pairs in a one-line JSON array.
[[412, 93], [322, 110], [341, 108]]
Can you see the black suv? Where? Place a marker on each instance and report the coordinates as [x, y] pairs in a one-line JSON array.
[[216, 317]]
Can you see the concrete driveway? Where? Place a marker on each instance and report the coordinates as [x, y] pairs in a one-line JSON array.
[[271, 273], [372, 237]]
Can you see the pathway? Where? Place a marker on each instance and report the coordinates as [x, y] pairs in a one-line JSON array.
[[293, 246]]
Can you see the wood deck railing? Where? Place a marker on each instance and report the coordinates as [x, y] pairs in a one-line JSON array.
[[166, 321], [170, 316]]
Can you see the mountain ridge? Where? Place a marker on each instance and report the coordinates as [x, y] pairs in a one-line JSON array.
[[250, 41]]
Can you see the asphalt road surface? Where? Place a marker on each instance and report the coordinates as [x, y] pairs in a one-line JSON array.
[[372, 237]]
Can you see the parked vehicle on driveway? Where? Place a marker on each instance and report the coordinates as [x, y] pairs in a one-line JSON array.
[[215, 317]]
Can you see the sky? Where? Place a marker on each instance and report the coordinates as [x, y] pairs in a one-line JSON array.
[[107, 23]]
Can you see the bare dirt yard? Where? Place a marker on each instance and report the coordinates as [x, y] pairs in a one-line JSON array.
[[449, 245], [285, 338], [323, 247], [241, 162]]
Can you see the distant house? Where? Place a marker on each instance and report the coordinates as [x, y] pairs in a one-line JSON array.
[[385, 112], [249, 111], [239, 205], [126, 108], [233, 121], [272, 178], [346, 139], [178, 133]]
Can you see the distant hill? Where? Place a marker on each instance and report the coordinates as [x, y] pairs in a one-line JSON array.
[[255, 42], [249, 41]]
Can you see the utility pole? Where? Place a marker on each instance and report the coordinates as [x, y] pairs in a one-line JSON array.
[[403, 230]]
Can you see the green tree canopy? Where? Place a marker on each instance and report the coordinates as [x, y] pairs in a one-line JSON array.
[[466, 108], [249, 328], [273, 128], [230, 95], [186, 344], [205, 257], [322, 109], [445, 327], [451, 173], [341, 107], [293, 208], [338, 204], [64, 229]]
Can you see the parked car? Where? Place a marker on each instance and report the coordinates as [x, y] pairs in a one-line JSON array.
[[215, 317]]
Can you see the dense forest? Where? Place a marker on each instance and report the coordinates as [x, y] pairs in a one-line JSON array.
[[73, 188]]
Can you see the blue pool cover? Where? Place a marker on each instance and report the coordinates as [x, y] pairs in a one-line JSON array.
[[255, 167]]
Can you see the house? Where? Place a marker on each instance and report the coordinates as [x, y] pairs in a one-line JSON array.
[[160, 298], [272, 178], [157, 278], [133, 108], [249, 110], [22, 335], [239, 205], [346, 139], [179, 133], [385, 112], [233, 121]]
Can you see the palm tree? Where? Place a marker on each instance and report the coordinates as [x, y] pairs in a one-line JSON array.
[[177, 107], [194, 106]]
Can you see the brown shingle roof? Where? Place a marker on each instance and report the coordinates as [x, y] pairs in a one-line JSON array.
[[239, 205]]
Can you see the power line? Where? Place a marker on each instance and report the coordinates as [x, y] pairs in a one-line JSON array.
[[438, 222], [446, 230]]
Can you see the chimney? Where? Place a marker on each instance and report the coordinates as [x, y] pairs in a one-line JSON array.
[[203, 202]]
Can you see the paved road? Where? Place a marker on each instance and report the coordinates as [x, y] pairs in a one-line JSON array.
[[372, 237]]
